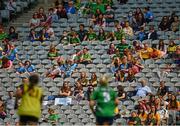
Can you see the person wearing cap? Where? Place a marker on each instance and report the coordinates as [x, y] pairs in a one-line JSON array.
[[105, 100]]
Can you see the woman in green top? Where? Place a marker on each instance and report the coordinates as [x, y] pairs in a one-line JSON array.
[[53, 53], [105, 99], [91, 35], [101, 35], [74, 40]]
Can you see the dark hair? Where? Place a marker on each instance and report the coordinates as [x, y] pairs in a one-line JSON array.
[[11, 27], [33, 80], [81, 25], [161, 46]]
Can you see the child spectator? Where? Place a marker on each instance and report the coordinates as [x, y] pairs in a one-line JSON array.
[[65, 39], [134, 120], [93, 79], [86, 57], [65, 91], [33, 35], [29, 67], [74, 40], [91, 35], [53, 117], [53, 53], [102, 35], [111, 49], [83, 79], [13, 35], [21, 68]]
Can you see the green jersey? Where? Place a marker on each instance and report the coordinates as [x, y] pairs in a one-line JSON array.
[[105, 99]]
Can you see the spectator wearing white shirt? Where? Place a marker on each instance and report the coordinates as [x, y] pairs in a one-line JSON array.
[[143, 90]]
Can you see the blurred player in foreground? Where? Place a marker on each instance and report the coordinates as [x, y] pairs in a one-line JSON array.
[[103, 103], [29, 109]]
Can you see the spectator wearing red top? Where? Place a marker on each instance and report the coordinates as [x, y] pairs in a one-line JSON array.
[[111, 49], [6, 63]]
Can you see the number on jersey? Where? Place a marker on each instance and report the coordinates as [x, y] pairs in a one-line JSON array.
[[106, 97]]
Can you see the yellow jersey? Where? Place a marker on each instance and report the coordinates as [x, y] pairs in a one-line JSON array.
[[31, 102]]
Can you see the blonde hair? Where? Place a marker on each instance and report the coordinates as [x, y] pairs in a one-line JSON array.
[[104, 80]]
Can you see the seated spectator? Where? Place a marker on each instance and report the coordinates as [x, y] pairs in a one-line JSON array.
[[3, 35], [50, 31], [83, 79], [43, 35], [148, 15], [139, 22], [101, 21], [145, 53], [78, 92], [143, 90], [115, 65], [29, 67], [142, 115], [111, 49], [175, 24], [137, 12], [121, 93], [12, 54], [164, 25], [13, 35], [99, 5], [77, 56], [82, 32], [74, 40], [109, 15], [52, 17], [124, 66], [7, 46], [161, 46], [150, 121], [53, 117], [93, 80], [141, 35], [102, 35], [92, 20], [134, 119], [119, 34], [171, 48], [53, 53], [176, 56], [33, 36], [6, 63], [61, 12], [70, 67], [70, 8], [65, 39], [10, 102], [136, 66], [155, 114], [157, 54], [122, 46], [136, 46], [3, 113], [86, 57], [152, 34], [41, 15], [127, 29], [162, 90], [35, 21], [173, 103], [12, 6], [65, 91], [91, 35], [89, 92], [21, 69], [53, 72]]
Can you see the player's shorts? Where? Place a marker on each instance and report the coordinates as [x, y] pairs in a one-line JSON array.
[[28, 119], [102, 120]]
